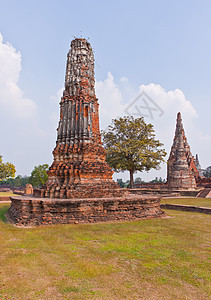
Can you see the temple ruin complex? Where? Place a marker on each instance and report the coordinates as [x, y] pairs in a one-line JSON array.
[[80, 188]]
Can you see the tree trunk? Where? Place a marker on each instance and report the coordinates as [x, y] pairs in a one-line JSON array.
[[131, 178]]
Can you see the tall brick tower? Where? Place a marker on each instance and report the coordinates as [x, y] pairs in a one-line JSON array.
[[79, 169], [80, 188], [182, 172]]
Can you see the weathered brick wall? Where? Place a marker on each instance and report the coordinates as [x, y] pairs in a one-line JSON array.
[[88, 191], [203, 210], [29, 211], [4, 198], [167, 192], [28, 189], [5, 189], [150, 185]]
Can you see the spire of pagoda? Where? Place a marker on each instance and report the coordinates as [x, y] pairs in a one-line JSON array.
[[197, 159], [79, 77], [179, 132], [79, 120], [178, 148]]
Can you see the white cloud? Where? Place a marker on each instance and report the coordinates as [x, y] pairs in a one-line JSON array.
[[20, 132], [12, 100], [111, 96], [169, 101], [57, 96], [110, 100]]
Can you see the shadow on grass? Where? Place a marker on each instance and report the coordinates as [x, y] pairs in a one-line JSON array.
[[3, 210]]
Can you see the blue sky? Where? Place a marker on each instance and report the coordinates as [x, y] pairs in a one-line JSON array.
[[163, 43]]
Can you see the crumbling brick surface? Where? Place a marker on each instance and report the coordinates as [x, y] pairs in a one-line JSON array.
[[28, 189], [79, 169], [29, 211], [182, 168]]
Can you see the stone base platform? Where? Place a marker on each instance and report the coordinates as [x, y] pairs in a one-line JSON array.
[[31, 211]]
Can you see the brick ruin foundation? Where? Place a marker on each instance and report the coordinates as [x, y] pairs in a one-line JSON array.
[[80, 187], [29, 211]]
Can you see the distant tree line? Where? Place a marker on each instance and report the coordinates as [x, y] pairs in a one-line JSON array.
[[37, 178], [18, 181], [138, 180]]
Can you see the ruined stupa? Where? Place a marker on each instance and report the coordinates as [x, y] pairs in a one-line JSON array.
[[182, 172], [80, 188], [79, 169]]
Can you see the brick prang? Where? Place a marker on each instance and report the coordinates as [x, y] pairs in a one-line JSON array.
[[182, 172], [79, 169], [80, 188]]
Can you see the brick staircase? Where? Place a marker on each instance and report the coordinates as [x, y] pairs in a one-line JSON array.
[[205, 193]]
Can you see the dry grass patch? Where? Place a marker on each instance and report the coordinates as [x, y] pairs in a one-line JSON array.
[[150, 259]]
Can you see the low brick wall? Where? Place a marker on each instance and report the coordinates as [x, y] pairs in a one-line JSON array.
[[166, 192], [18, 192], [30, 211], [204, 210], [4, 198], [7, 190]]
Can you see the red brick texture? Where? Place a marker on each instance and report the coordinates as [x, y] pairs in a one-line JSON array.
[[28, 189], [79, 169], [29, 211], [4, 198], [182, 172]]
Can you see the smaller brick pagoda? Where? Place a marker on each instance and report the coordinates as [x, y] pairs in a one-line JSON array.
[[182, 168]]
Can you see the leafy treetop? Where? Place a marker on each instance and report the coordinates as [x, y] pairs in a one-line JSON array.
[[39, 175], [131, 145], [6, 169]]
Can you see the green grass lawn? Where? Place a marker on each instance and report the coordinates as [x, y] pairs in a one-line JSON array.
[[204, 202], [151, 259]]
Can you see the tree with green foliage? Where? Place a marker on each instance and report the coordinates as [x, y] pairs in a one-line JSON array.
[[120, 182], [131, 145], [6, 169], [207, 172], [138, 180], [39, 175]]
